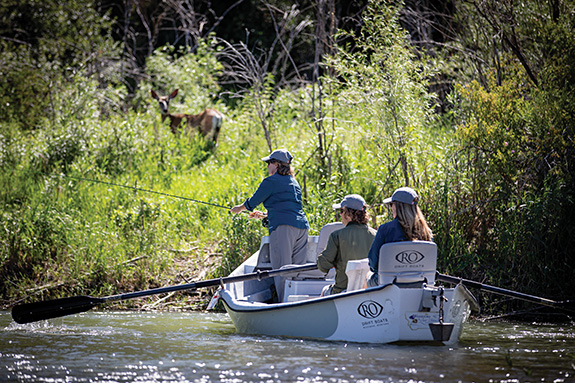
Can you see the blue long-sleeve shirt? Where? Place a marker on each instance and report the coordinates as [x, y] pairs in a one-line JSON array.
[[388, 232], [281, 196]]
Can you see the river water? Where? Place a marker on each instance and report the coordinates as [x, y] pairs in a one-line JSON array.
[[103, 346]]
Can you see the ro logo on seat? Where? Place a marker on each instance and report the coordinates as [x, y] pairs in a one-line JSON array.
[[409, 257]]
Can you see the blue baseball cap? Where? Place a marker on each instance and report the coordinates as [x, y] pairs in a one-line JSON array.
[[279, 155], [351, 201], [406, 195]]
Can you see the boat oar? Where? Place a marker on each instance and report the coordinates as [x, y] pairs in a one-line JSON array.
[[32, 312], [564, 305]]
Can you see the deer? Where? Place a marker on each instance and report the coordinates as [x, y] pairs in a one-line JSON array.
[[208, 122]]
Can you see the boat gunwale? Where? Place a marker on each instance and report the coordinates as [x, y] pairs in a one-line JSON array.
[[287, 305]]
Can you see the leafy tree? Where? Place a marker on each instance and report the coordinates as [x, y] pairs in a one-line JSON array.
[[515, 147], [43, 44], [384, 79]]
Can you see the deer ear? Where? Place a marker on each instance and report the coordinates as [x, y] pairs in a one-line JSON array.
[[154, 94], [174, 93]]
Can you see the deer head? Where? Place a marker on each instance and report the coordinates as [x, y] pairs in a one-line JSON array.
[[164, 101]]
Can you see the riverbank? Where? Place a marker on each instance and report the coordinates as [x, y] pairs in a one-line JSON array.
[[195, 263]]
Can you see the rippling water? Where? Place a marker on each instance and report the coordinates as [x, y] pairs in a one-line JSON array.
[[203, 347]]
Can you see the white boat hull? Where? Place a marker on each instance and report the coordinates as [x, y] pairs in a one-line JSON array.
[[382, 314]]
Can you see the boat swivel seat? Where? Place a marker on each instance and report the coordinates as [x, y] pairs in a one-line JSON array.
[[307, 284], [312, 255], [407, 263]]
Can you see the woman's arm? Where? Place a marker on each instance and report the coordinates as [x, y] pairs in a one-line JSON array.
[[326, 260], [264, 191]]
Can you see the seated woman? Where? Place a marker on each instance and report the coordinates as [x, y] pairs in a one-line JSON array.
[[408, 224], [350, 243]]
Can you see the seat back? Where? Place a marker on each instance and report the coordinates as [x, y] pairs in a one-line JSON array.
[[356, 272], [264, 262], [407, 262], [313, 252], [324, 234]]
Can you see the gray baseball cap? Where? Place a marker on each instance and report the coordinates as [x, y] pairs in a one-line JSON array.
[[279, 155], [405, 195], [351, 201]]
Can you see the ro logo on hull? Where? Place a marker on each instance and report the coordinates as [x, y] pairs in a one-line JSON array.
[[369, 309]]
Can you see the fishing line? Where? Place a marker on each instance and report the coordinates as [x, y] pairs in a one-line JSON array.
[[147, 191]]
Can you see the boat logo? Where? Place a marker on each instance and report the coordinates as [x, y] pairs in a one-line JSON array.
[[409, 257], [369, 309]]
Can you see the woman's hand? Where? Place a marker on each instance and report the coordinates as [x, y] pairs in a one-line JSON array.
[[258, 214], [238, 209]]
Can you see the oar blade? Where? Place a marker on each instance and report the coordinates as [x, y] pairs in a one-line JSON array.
[[37, 311]]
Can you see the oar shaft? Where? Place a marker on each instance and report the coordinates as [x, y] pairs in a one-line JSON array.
[[212, 282], [497, 290], [32, 312]]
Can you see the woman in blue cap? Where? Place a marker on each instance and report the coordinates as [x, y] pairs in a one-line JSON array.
[[281, 195], [408, 224]]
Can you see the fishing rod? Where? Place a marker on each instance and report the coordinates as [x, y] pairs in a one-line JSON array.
[[147, 191], [265, 221]]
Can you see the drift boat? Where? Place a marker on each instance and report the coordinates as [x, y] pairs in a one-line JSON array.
[[407, 306]]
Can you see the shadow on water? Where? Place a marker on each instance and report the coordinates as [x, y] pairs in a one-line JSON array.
[[204, 347]]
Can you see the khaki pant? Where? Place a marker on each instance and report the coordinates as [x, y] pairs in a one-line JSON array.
[[288, 245]]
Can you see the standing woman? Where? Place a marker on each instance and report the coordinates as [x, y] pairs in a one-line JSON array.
[[281, 195], [408, 224]]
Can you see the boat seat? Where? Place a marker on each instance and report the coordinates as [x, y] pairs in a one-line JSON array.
[[322, 238], [407, 262], [260, 296], [356, 272], [324, 234], [264, 262], [315, 245]]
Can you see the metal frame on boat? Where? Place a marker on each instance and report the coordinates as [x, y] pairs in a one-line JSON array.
[[406, 306]]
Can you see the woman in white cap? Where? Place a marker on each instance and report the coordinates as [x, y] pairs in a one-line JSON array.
[[347, 244], [408, 224], [281, 195]]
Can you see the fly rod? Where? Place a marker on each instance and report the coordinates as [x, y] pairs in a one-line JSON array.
[[147, 191]]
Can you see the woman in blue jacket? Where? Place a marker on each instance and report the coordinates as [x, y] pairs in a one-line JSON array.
[[408, 224], [281, 195]]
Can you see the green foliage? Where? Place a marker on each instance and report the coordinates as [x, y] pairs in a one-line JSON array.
[[195, 74], [241, 238], [45, 45], [386, 109], [515, 157]]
